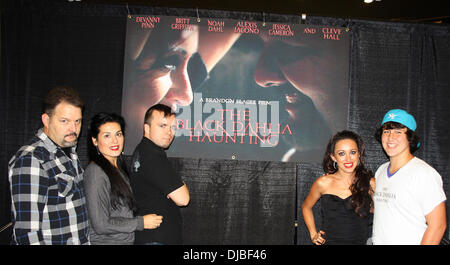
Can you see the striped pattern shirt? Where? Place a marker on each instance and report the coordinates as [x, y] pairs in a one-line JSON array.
[[47, 197]]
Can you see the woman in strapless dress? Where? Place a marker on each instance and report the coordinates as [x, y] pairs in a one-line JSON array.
[[345, 192]]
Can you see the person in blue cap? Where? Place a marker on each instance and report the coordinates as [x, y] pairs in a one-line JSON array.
[[409, 200]]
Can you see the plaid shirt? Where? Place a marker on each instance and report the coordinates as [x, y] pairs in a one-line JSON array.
[[47, 197]]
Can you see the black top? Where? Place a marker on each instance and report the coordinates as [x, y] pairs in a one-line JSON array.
[[341, 224], [152, 179]]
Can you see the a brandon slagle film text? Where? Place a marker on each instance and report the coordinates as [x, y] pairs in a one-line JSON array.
[[231, 255], [232, 121]]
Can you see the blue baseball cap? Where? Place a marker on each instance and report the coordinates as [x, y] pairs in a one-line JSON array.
[[402, 117]]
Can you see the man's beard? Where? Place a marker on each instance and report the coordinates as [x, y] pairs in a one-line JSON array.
[[65, 143]]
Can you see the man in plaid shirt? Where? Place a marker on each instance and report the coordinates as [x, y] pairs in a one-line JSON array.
[[46, 178]]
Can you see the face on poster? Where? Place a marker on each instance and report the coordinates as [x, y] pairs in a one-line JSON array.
[[241, 89]]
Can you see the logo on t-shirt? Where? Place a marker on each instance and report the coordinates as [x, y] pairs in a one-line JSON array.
[[384, 195]]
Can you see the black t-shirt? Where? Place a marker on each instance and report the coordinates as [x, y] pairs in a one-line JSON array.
[[152, 179]]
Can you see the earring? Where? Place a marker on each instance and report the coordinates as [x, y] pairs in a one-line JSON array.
[[334, 164]]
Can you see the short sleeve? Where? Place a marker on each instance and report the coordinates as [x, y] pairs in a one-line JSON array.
[[430, 190], [161, 174]]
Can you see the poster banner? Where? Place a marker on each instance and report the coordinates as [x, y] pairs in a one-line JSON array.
[[241, 89]]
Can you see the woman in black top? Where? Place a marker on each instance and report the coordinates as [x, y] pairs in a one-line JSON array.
[[345, 192]]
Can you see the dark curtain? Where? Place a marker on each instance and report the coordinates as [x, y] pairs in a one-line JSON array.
[[393, 65], [238, 202]]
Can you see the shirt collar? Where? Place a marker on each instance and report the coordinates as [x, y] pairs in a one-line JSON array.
[[152, 144]]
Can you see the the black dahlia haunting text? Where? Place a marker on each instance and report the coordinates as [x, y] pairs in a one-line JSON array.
[[232, 121]]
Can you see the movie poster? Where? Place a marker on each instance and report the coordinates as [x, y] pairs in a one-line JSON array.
[[241, 89]]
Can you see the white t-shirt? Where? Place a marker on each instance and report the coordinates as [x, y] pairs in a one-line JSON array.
[[403, 200]]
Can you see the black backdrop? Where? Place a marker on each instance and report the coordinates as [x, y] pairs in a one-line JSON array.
[[393, 65]]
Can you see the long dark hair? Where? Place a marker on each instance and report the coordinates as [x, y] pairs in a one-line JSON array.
[[121, 193], [361, 184]]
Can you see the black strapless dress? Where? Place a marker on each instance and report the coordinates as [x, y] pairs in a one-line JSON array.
[[341, 224]]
